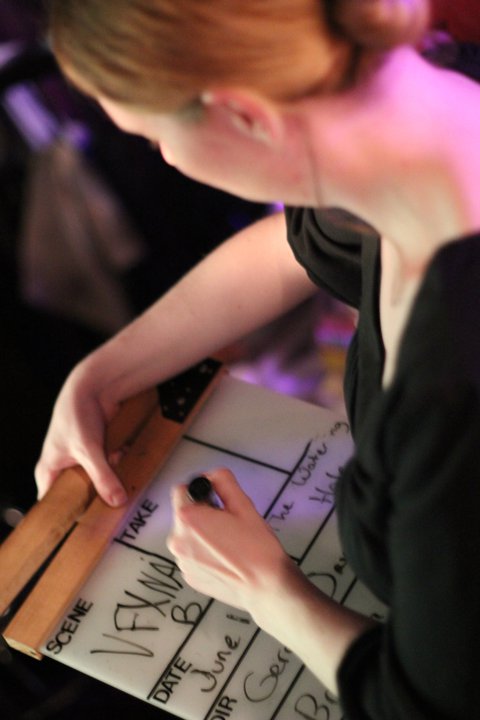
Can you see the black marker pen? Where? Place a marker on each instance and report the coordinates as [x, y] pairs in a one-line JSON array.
[[200, 490]]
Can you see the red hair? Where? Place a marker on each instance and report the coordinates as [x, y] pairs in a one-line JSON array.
[[161, 54]]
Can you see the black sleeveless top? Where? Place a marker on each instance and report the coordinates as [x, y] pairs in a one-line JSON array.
[[408, 502]]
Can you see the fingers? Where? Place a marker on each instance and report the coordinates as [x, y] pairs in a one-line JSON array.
[[44, 478], [225, 486], [180, 500], [229, 491], [194, 523], [197, 524], [103, 478], [229, 553], [106, 483]]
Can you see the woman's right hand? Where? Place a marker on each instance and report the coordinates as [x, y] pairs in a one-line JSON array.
[[76, 436]]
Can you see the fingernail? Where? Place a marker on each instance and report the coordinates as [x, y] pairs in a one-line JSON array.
[[118, 498]]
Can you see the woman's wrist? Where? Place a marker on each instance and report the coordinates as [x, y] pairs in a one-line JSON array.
[[277, 589], [309, 623], [94, 377]]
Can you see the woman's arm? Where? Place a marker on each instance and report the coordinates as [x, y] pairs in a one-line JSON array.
[[249, 280], [246, 282]]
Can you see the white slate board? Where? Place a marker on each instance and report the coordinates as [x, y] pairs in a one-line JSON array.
[[137, 626]]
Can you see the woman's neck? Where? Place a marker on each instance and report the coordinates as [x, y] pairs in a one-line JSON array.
[[402, 151]]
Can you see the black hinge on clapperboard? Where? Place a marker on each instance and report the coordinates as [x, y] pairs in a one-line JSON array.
[[178, 396]]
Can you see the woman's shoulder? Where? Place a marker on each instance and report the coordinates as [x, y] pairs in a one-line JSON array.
[[328, 242]]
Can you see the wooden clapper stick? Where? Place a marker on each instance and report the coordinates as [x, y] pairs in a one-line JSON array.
[[150, 425]]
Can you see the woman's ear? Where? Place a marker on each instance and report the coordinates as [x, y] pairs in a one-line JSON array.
[[246, 113]]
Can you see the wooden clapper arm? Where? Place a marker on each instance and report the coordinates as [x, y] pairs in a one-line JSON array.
[[150, 425]]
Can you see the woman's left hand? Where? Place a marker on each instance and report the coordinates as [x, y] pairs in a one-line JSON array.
[[231, 554]]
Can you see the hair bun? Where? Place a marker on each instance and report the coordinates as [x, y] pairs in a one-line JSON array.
[[380, 24]]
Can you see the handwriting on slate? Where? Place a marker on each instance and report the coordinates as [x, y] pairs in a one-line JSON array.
[[310, 707], [154, 598], [315, 454], [71, 623], [313, 481], [208, 672], [259, 687], [328, 582], [210, 675]]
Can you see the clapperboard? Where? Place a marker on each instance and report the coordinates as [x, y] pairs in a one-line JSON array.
[[108, 598]]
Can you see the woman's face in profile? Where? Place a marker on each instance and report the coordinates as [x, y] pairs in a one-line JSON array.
[[213, 148]]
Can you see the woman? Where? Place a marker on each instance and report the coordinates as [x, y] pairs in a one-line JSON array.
[[316, 103]]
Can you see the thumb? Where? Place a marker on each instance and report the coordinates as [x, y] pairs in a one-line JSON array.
[[105, 481], [45, 477]]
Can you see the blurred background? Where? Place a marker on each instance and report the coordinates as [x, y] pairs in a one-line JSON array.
[[94, 226]]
